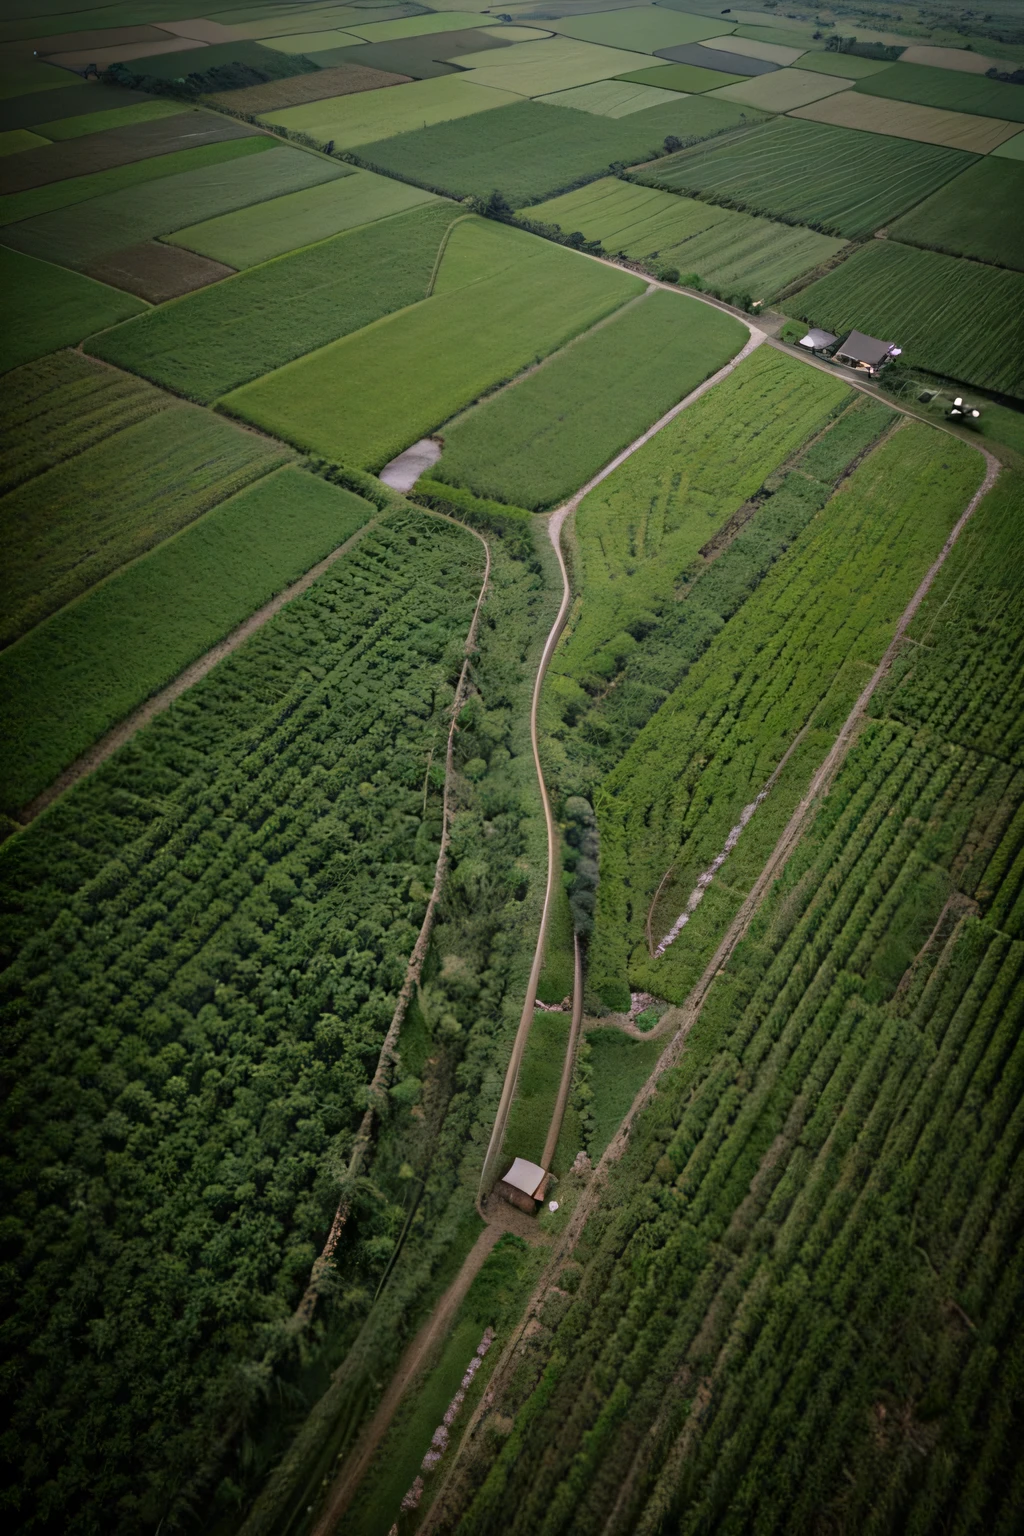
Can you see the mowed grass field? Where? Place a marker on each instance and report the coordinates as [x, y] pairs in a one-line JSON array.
[[640, 529], [253, 235], [43, 307], [953, 317], [734, 253], [843, 183], [370, 115], [979, 214], [82, 671], [610, 98], [66, 529], [530, 151], [948, 88], [536, 442], [364, 399], [221, 337], [84, 234]]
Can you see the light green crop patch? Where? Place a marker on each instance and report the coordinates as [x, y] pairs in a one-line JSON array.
[[641, 28], [610, 98], [367, 116]]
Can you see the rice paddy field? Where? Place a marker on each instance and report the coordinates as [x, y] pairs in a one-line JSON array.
[[843, 183], [529, 151], [956, 318], [336, 658]]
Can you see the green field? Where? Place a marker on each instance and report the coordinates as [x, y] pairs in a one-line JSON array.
[[214, 340], [44, 307], [952, 317], [834, 179], [115, 117], [91, 664], [543, 65], [849, 66], [81, 235], [639, 531], [365, 398], [979, 214], [537, 442], [782, 90], [370, 115], [14, 140], [824, 1188], [60, 405], [530, 151], [18, 206], [950, 89], [642, 28], [252, 235], [796, 655], [66, 529], [609, 98], [733, 253], [681, 77]]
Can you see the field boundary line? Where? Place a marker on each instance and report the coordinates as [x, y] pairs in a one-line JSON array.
[[555, 521], [158, 702], [690, 1010]]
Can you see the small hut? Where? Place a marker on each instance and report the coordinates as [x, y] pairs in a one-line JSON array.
[[866, 353], [523, 1186], [818, 341]]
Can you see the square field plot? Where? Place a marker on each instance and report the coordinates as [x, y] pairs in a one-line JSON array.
[[611, 98], [532, 151], [979, 214], [552, 64], [81, 235], [783, 90], [252, 235], [904, 120], [948, 88], [952, 317], [372, 115], [366, 398], [642, 28], [681, 77], [43, 307], [844, 183]]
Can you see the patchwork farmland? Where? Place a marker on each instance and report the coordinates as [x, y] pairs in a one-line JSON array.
[[512, 806]]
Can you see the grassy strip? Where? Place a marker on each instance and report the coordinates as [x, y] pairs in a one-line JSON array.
[[537, 442], [88, 666], [363, 399], [221, 337]]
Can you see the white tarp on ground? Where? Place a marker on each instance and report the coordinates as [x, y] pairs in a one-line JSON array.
[[525, 1176]]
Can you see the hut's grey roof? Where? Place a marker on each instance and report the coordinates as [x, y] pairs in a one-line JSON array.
[[816, 339], [858, 348], [525, 1176]]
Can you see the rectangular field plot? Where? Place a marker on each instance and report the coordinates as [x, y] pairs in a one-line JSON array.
[[536, 442], [370, 115], [251, 235], [980, 214], [731, 252], [299, 90], [610, 98], [951, 316], [90, 665], [848, 65], [20, 206], [115, 117], [948, 88], [82, 235], [67, 529], [779, 54], [840, 182], [530, 151], [782, 90], [551, 64], [641, 28], [116, 146], [364, 399], [223, 336], [681, 77], [431, 55], [413, 26], [904, 120], [43, 307], [157, 272]]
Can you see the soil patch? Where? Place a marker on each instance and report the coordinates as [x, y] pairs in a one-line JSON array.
[[343, 80], [116, 146], [158, 272]]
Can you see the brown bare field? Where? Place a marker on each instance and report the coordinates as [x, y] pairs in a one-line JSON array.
[[342, 80], [158, 272], [116, 146], [906, 120]]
